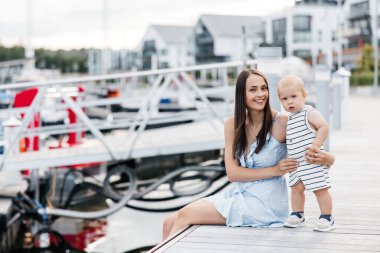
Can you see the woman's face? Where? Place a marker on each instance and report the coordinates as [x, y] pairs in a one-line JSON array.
[[256, 92]]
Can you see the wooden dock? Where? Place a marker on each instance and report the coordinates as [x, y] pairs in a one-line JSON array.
[[356, 198]]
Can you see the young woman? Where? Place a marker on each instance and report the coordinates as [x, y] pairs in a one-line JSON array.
[[255, 159]]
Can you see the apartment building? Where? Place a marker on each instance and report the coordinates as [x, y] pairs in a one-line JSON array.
[[164, 46], [308, 30], [219, 38]]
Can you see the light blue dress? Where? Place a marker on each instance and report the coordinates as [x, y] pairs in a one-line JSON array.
[[262, 203]]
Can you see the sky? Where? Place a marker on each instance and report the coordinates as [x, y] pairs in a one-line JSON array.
[[74, 24]]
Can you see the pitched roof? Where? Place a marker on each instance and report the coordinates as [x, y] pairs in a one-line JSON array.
[[226, 25], [173, 34]]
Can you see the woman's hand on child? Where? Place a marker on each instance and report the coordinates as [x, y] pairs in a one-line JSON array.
[[316, 156], [287, 165]]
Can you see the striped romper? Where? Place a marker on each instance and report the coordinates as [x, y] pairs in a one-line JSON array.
[[299, 135]]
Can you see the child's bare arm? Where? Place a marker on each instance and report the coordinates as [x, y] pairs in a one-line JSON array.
[[317, 121]]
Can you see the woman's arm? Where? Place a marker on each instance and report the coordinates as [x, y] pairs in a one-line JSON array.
[[237, 173], [316, 156]]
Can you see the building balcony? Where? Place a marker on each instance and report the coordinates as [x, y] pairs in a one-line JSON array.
[[204, 40], [357, 31], [358, 15], [204, 54], [358, 41], [354, 31]]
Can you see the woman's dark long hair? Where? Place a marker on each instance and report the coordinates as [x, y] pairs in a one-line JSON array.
[[240, 141]]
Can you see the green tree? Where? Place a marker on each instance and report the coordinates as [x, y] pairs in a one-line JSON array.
[[365, 63], [72, 61], [363, 74], [11, 53]]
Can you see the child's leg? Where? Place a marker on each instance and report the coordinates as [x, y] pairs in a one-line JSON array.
[[298, 197], [297, 217], [324, 200]]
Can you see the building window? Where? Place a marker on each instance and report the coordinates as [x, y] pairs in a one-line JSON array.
[[149, 44], [302, 23], [359, 9], [164, 51], [361, 26], [279, 31], [302, 28], [204, 45], [149, 49]]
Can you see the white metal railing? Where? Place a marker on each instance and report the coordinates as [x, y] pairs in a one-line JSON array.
[[13, 63], [68, 81], [9, 68], [146, 94]]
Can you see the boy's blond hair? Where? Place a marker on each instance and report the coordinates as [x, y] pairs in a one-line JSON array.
[[291, 80]]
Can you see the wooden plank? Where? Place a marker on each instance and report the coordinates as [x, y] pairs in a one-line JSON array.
[[220, 231], [183, 247], [307, 242]]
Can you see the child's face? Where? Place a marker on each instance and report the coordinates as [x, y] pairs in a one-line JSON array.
[[292, 98]]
